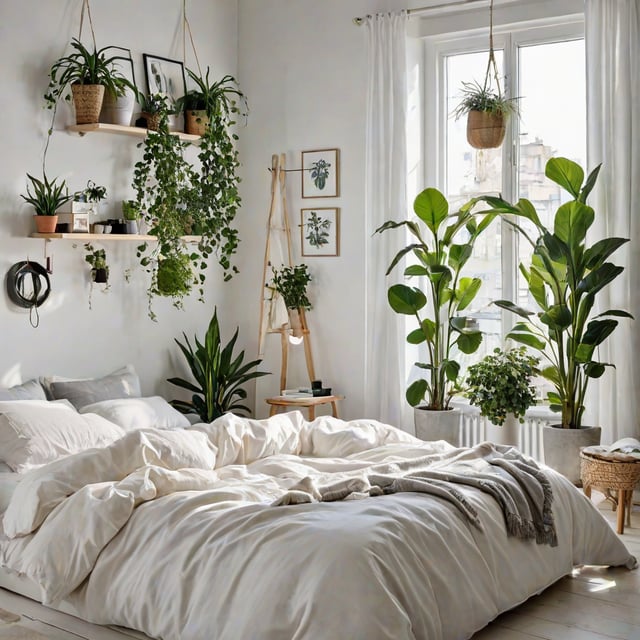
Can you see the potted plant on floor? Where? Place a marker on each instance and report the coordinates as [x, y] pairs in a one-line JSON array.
[[564, 278], [87, 73], [500, 385], [46, 196], [218, 375], [440, 253], [291, 283]]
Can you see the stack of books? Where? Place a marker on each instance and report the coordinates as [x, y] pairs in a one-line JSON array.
[[301, 392]]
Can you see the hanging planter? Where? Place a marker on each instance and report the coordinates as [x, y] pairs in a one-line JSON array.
[[486, 107]]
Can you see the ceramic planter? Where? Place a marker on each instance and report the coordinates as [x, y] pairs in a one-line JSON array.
[[508, 433], [562, 448], [46, 224], [118, 109], [438, 425]]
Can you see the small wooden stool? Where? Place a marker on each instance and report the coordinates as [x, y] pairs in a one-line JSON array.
[[611, 473], [282, 403]]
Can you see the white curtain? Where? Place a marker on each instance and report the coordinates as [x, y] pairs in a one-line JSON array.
[[612, 42], [385, 198]]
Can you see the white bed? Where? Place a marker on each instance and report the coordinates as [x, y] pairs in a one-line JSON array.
[[177, 534]]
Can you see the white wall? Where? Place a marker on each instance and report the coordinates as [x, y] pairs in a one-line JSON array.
[[71, 339]]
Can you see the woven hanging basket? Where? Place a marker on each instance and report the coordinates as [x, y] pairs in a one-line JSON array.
[[485, 130], [87, 99], [196, 121]]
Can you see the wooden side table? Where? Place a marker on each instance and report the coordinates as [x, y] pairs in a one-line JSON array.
[[611, 474], [284, 403]]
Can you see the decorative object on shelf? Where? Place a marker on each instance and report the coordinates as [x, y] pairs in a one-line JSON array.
[[486, 107], [500, 385], [440, 260], [320, 173], [320, 231], [131, 214], [218, 375], [117, 108], [564, 278], [87, 73], [79, 223], [46, 196], [86, 202]]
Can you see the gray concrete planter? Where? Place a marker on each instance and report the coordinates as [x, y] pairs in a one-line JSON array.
[[562, 448], [508, 433], [438, 425]]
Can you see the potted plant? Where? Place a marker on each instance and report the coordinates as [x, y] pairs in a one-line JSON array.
[[97, 258], [486, 108], [218, 375], [87, 73], [153, 107], [291, 283], [500, 385], [46, 196], [131, 214], [564, 278], [440, 254], [201, 103], [117, 107]]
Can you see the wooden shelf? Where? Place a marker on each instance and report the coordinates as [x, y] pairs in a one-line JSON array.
[[104, 236], [122, 130]]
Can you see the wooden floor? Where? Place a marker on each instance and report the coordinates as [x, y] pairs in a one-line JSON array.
[[593, 604]]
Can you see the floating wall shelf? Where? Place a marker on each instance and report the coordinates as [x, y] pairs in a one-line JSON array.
[[104, 236], [122, 130]]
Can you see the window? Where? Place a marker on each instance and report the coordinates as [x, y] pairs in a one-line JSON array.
[[545, 67]]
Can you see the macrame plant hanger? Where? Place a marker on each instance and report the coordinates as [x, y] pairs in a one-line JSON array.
[[274, 317]]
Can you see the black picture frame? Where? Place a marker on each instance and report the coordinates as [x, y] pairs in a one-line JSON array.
[[164, 76]]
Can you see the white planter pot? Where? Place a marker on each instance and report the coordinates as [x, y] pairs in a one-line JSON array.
[[562, 448], [118, 109], [438, 425], [508, 433]]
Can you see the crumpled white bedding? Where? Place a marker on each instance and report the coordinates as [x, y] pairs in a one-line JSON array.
[[174, 534]]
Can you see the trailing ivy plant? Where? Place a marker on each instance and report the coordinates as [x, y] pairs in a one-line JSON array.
[[177, 198]]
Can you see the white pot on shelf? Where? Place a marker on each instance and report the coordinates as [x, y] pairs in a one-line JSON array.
[[118, 109]]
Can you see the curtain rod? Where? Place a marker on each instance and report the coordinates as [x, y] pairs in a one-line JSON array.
[[455, 6]]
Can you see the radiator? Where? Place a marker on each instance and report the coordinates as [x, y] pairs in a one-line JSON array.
[[473, 429]]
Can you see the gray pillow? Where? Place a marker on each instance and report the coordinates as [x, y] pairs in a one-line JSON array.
[[30, 390], [83, 392]]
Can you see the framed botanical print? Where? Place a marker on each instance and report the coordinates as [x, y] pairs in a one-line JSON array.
[[321, 173], [320, 231]]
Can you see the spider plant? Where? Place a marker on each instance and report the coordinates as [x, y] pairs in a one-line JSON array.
[[477, 97]]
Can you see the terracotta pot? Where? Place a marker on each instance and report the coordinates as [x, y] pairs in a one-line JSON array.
[[46, 224], [87, 100], [196, 121], [485, 130]]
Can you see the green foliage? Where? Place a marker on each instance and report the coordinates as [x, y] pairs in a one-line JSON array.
[[219, 97], [218, 375], [46, 196], [130, 210], [175, 199], [440, 259], [174, 276], [476, 97], [83, 66], [501, 383], [291, 283], [91, 193], [564, 277], [156, 103]]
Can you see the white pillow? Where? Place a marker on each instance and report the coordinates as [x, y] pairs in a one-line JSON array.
[[31, 436], [11, 405], [30, 390], [139, 413], [125, 377]]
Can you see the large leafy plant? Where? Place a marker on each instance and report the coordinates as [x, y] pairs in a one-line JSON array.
[[564, 277], [218, 375], [291, 283], [442, 246]]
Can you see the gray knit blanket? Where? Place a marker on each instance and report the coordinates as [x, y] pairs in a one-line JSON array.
[[514, 481]]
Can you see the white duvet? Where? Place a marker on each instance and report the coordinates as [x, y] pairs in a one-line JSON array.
[[175, 533]]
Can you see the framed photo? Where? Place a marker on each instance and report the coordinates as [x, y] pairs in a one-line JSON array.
[[164, 76], [320, 173], [80, 223], [320, 231]]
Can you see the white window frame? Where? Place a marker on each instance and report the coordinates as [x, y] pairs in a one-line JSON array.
[[507, 37]]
